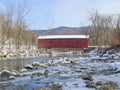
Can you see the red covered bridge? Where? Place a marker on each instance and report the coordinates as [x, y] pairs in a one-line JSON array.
[[63, 41]]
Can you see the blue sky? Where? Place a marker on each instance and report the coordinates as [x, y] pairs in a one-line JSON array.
[[44, 14]]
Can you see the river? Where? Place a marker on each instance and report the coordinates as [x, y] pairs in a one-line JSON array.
[[15, 64]]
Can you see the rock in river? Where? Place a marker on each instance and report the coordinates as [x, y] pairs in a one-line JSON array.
[[15, 73], [36, 64], [28, 66], [39, 89], [90, 85], [23, 70], [111, 84], [36, 74], [87, 77], [100, 83], [5, 74], [46, 72], [56, 87]]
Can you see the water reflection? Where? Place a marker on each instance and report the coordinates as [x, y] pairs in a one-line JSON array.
[[16, 64]]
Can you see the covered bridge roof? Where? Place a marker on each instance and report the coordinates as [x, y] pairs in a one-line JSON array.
[[64, 37]]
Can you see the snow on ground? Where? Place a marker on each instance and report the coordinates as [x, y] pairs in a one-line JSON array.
[[97, 54]]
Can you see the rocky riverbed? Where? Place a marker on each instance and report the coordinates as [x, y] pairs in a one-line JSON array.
[[64, 73]]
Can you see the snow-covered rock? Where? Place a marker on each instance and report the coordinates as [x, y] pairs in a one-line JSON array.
[[28, 66], [118, 54], [2, 54], [76, 61], [6, 74], [11, 77], [23, 70], [67, 61]]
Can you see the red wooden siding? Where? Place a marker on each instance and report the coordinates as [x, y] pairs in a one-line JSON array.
[[63, 43]]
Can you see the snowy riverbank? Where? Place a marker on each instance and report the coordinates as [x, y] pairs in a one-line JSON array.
[[22, 53], [34, 52]]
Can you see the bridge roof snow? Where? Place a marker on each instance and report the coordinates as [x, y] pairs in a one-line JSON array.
[[64, 37]]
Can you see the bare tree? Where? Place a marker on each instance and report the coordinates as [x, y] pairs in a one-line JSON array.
[[117, 30], [20, 24], [102, 27], [2, 32], [14, 29]]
